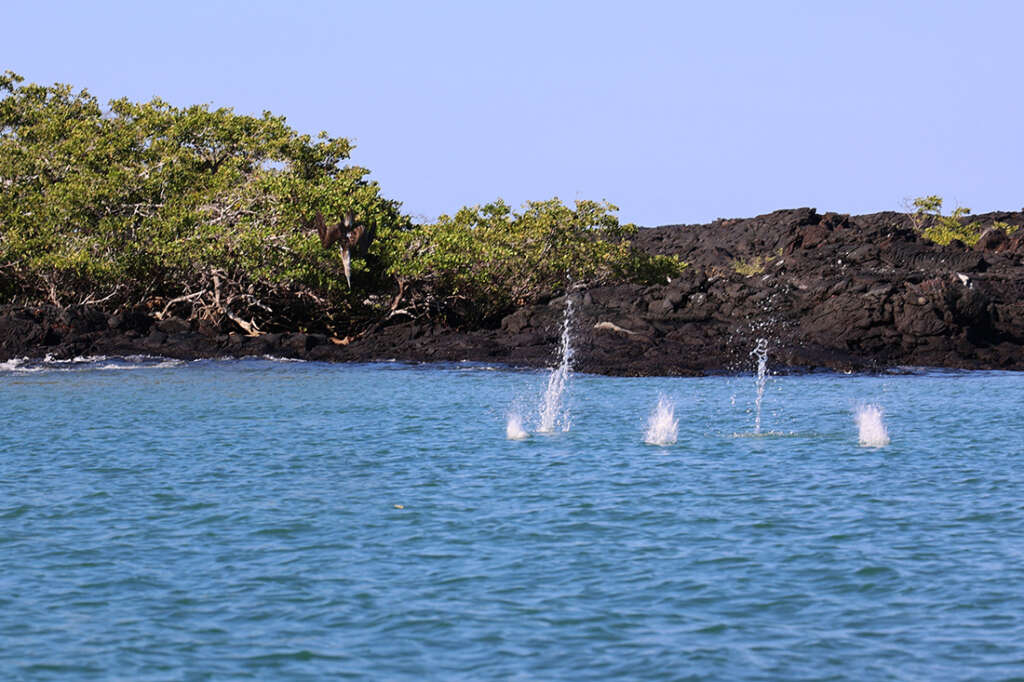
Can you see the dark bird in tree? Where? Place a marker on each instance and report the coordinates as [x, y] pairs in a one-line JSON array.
[[353, 239]]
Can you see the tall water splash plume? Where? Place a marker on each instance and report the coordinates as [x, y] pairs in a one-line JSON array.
[[552, 411], [662, 426], [871, 428], [761, 353]]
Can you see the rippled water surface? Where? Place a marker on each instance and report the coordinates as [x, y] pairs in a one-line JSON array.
[[278, 520]]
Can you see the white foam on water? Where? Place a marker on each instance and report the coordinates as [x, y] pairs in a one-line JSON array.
[[662, 426], [870, 426], [87, 363], [16, 365], [514, 427], [77, 360], [553, 413], [162, 364]]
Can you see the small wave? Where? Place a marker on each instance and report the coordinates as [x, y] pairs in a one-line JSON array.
[[82, 363], [132, 362], [159, 364], [14, 365], [767, 434], [77, 360]]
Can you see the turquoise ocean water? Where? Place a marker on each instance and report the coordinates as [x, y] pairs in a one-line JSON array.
[[259, 519]]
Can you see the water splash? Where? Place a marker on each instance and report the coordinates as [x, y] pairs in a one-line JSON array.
[[871, 428], [662, 426], [15, 365], [553, 413], [761, 353], [514, 427]]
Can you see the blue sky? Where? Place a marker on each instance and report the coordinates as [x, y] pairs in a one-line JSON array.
[[674, 111]]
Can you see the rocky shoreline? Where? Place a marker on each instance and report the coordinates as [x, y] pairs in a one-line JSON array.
[[830, 291]]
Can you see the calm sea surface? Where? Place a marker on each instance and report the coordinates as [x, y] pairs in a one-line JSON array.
[[279, 520]]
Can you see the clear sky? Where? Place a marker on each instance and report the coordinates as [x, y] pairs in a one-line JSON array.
[[674, 111]]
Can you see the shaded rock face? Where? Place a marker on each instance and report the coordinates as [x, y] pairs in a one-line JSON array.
[[827, 290], [847, 292]]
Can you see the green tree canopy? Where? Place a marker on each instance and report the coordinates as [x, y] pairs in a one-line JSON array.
[[146, 202], [492, 258], [200, 211]]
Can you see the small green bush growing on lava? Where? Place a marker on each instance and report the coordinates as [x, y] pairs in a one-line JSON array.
[[749, 268], [927, 219]]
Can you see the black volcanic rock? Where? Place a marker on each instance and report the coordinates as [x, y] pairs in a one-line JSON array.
[[827, 290]]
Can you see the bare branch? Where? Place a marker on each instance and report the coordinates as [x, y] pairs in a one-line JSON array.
[[179, 299]]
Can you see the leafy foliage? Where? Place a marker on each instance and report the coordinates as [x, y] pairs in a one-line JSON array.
[[1005, 227], [199, 212], [923, 209], [492, 258], [143, 203], [929, 221]]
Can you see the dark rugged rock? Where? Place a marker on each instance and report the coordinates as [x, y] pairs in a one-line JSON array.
[[173, 325], [828, 291]]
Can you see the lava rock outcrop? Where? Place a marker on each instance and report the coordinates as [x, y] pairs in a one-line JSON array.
[[829, 291]]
